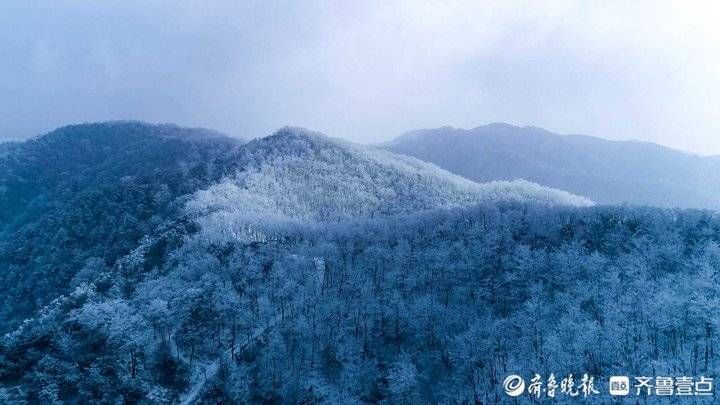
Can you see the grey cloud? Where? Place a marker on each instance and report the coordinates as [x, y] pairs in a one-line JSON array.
[[366, 71]]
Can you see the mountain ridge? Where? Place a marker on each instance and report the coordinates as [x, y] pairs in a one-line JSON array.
[[608, 172], [297, 174], [507, 126], [303, 269], [98, 190]]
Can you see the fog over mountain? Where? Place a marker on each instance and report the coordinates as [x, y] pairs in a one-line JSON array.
[[365, 70], [608, 172]]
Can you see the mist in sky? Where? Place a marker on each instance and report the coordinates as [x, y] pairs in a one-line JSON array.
[[366, 71]]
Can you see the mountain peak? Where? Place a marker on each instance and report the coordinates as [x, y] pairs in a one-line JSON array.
[[296, 174], [498, 126], [493, 128], [125, 129], [296, 132], [293, 141], [291, 135]]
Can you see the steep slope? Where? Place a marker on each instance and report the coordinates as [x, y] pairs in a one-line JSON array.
[[607, 172], [82, 196]]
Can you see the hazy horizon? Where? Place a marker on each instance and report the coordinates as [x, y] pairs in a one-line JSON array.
[[361, 142], [366, 72]]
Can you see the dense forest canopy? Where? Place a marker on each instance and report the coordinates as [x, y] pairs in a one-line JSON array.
[[301, 269], [433, 307], [85, 195]]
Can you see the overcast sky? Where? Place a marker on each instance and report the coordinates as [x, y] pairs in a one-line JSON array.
[[366, 71]]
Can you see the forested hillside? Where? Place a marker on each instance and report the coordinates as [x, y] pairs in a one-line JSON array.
[[180, 266], [299, 175], [432, 307], [77, 199], [608, 172]]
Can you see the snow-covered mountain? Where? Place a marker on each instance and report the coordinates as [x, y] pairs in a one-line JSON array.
[[149, 264], [608, 172], [98, 189], [303, 175]]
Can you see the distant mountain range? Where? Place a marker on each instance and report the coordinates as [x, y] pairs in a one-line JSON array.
[[608, 172]]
